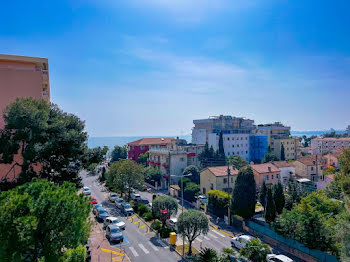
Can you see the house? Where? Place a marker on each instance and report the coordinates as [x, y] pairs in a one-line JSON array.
[[287, 169], [333, 159], [267, 172], [216, 178], [141, 146], [310, 167]]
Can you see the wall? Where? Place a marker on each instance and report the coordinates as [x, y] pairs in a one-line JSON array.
[[258, 147], [289, 147], [260, 177], [199, 136], [220, 185], [135, 151], [178, 163], [300, 169], [286, 173], [206, 179]]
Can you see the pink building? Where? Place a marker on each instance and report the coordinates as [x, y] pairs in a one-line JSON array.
[[21, 76], [267, 172]]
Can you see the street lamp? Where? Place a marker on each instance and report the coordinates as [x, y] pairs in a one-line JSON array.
[[182, 204]]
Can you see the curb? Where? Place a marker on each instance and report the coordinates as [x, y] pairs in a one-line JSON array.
[[222, 231]]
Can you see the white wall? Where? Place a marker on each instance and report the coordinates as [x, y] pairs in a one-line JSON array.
[[178, 163], [199, 136], [285, 174]]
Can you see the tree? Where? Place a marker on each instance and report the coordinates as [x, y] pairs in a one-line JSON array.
[[74, 255], [269, 157], [208, 255], [153, 175], [191, 224], [221, 145], [95, 155], [191, 191], [278, 197], [195, 177], [283, 157], [270, 211], [208, 157], [244, 193], [164, 203], [218, 202], [237, 162], [262, 195], [39, 220], [142, 159], [51, 142], [126, 175], [256, 251], [119, 152]]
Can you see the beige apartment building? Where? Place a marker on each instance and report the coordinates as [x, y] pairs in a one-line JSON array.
[[216, 178], [310, 167], [21, 76], [290, 145]]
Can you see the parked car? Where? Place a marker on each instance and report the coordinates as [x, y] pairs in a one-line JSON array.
[[127, 209], [172, 223], [119, 203], [95, 207], [241, 241], [102, 214], [278, 258], [203, 199], [144, 201], [114, 234], [93, 200], [114, 221], [135, 197], [113, 197], [86, 191]]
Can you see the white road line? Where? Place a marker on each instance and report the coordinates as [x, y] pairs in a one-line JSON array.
[[206, 238], [217, 233], [134, 251], [143, 248], [154, 247], [198, 239], [162, 243], [211, 235]]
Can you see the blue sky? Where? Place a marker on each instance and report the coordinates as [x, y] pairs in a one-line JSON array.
[[149, 67]]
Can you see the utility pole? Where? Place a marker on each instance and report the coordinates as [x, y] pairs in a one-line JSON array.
[[229, 190]]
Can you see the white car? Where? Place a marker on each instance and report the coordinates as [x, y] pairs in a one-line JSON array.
[[113, 197], [135, 197], [278, 258], [241, 241], [86, 191], [172, 223], [119, 203], [114, 221]]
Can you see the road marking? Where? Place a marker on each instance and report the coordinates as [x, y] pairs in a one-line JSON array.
[[206, 238], [143, 248], [129, 219], [153, 246], [142, 226], [134, 251], [198, 239], [162, 243], [217, 233], [113, 252], [211, 235], [136, 222]]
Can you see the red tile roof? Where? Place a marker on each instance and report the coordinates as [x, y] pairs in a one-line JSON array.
[[333, 139], [282, 164], [222, 170], [152, 141], [311, 160], [264, 168]]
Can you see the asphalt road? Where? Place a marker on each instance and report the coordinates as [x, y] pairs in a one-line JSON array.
[[140, 245]]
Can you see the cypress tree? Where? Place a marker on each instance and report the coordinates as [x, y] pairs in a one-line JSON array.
[[270, 211], [278, 197], [283, 155], [244, 194], [262, 195], [221, 144]]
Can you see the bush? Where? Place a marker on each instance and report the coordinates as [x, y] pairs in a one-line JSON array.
[[142, 209], [156, 225], [191, 190], [148, 216], [74, 255], [135, 206], [164, 232], [218, 202]]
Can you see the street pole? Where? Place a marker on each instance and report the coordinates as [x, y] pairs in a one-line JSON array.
[[182, 200], [229, 189]]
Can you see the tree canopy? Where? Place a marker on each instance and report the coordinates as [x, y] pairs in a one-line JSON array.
[[262, 194], [164, 203], [119, 152], [237, 162], [270, 210], [269, 157], [256, 251], [278, 197], [95, 155], [51, 142], [283, 155], [208, 157], [142, 159], [244, 193], [39, 220], [191, 224], [195, 177]]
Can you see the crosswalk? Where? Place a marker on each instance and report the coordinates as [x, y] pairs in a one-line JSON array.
[[212, 235], [146, 248]]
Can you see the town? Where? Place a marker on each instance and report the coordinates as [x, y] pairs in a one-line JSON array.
[[239, 191]]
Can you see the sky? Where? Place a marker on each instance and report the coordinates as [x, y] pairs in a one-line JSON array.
[[149, 67]]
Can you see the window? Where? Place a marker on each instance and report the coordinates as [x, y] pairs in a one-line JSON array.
[[211, 186], [182, 159], [241, 138], [246, 152], [267, 177], [238, 145], [204, 190], [142, 147], [271, 176], [233, 145], [228, 139], [278, 176], [312, 168], [225, 180], [246, 138], [231, 179]]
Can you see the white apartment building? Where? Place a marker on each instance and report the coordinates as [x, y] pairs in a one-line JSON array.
[[287, 170], [348, 129], [330, 144]]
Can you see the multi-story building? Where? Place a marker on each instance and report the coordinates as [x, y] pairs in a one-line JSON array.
[[348, 130], [310, 167], [21, 76], [258, 147], [333, 159], [330, 144], [141, 146], [216, 178], [267, 172], [289, 144], [287, 170]]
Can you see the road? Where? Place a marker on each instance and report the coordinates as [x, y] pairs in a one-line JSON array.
[[139, 244]]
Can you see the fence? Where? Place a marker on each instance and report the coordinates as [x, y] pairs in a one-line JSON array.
[[291, 246]]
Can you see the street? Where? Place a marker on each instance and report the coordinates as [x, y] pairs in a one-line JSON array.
[[139, 244]]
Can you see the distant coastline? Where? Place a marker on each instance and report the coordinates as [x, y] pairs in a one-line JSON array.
[[123, 140]]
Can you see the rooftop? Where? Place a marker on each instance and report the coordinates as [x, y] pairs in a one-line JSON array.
[[152, 141], [221, 170], [310, 160], [332, 139], [281, 164], [265, 168]]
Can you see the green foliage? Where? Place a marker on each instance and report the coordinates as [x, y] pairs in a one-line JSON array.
[[256, 251], [208, 255], [262, 195], [142, 159], [126, 175], [152, 175], [43, 134], [185, 180], [269, 157], [142, 209], [39, 220], [221, 146], [244, 194], [118, 153], [156, 225], [334, 189], [278, 197], [283, 156], [77, 254], [329, 171], [270, 211], [191, 191], [92, 167], [294, 193], [208, 157], [148, 216], [191, 224], [218, 202], [95, 155], [237, 162], [164, 232], [164, 203], [195, 177]]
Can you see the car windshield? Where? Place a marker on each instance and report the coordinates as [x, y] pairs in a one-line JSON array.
[[114, 195], [127, 206], [115, 230], [116, 221], [86, 189], [103, 211], [97, 206]]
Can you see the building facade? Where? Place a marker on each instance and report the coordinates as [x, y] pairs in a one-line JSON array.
[[287, 170], [267, 172], [330, 144], [310, 167], [216, 178], [290, 147], [258, 147], [21, 76], [348, 130]]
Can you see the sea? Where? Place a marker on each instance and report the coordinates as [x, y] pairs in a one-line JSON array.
[[123, 140]]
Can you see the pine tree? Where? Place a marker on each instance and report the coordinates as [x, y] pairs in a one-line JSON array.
[[283, 156], [221, 144], [244, 194], [278, 197], [270, 211], [262, 195]]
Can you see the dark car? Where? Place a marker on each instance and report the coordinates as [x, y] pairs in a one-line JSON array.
[[114, 234], [102, 214], [127, 209], [95, 207], [144, 201]]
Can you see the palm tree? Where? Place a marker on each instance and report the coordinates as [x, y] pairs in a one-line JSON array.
[[256, 251], [208, 255]]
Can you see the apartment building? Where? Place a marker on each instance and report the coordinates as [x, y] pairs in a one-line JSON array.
[[290, 147], [216, 178], [21, 76], [330, 144], [310, 167], [348, 130], [287, 170], [267, 172]]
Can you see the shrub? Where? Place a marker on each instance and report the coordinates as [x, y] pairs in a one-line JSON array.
[[142, 209], [164, 232], [135, 206], [148, 216], [156, 225], [218, 202]]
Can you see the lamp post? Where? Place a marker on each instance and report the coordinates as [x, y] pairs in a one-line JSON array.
[[182, 209]]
